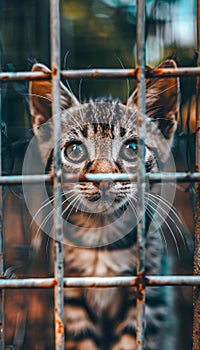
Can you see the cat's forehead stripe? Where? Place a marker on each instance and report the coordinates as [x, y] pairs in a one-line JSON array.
[[101, 129], [105, 119]]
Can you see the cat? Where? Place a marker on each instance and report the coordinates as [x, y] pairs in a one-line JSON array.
[[100, 218]]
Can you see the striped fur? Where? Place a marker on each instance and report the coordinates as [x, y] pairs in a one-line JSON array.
[[100, 218]]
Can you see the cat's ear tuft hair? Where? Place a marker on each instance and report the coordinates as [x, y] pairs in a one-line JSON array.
[[162, 100], [41, 97]]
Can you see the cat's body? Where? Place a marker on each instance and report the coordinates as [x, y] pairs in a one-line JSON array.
[[100, 218]]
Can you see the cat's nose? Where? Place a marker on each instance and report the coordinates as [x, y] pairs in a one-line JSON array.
[[102, 165], [104, 186]]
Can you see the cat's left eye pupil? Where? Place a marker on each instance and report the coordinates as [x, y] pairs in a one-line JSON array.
[[75, 152], [132, 146], [129, 151]]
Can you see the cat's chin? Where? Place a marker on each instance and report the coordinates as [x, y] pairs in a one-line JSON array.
[[104, 206]]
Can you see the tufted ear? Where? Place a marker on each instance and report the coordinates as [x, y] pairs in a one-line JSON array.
[[41, 97], [162, 101]]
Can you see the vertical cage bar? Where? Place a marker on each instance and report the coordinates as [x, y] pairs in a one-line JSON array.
[[196, 289], [58, 243], [1, 233], [141, 130]]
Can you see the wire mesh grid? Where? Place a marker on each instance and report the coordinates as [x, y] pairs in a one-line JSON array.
[[58, 282]]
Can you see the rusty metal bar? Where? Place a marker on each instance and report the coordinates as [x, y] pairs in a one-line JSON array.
[[155, 177], [70, 178], [2, 342], [58, 242], [141, 172], [7, 76], [102, 74], [100, 282], [129, 73], [196, 289]]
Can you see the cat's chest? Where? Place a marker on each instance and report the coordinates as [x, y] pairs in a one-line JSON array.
[[97, 262]]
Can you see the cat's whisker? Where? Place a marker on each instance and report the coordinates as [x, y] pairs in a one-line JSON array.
[[71, 204], [152, 216], [45, 204], [88, 217], [40, 228], [148, 211], [160, 92], [66, 67], [77, 207], [169, 217], [166, 223], [166, 203], [67, 199], [44, 98], [40, 96], [127, 80], [79, 89], [74, 119], [131, 202], [80, 99]]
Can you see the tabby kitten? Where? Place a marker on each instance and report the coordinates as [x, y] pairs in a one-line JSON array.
[[100, 218]]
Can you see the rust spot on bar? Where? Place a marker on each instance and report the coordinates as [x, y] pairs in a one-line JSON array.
[[137, 73], [54, 69], [156, 71], [52, 284], [132, 73], [59, 326], [197, 168], [141, 283], [138, 342], [197, 129]]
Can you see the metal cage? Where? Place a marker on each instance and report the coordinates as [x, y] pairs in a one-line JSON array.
[[140, 281]]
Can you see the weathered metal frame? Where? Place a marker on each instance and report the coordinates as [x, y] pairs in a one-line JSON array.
[[99, 282], [70, 178], [196, 289], [58, 229], [102, 74], [141, 281]]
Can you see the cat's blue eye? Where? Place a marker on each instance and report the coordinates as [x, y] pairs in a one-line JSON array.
[[128, 151], [75, 152]]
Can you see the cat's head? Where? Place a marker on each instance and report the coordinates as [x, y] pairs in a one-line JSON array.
[[101, 137]]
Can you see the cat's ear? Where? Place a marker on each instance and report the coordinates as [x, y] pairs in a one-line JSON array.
[[41, 97], [162, 100]]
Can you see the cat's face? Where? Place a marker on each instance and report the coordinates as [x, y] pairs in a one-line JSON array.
[[101, 137]]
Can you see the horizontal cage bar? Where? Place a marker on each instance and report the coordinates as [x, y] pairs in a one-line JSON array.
[[102, 74], [70, 178], [106, 282]]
